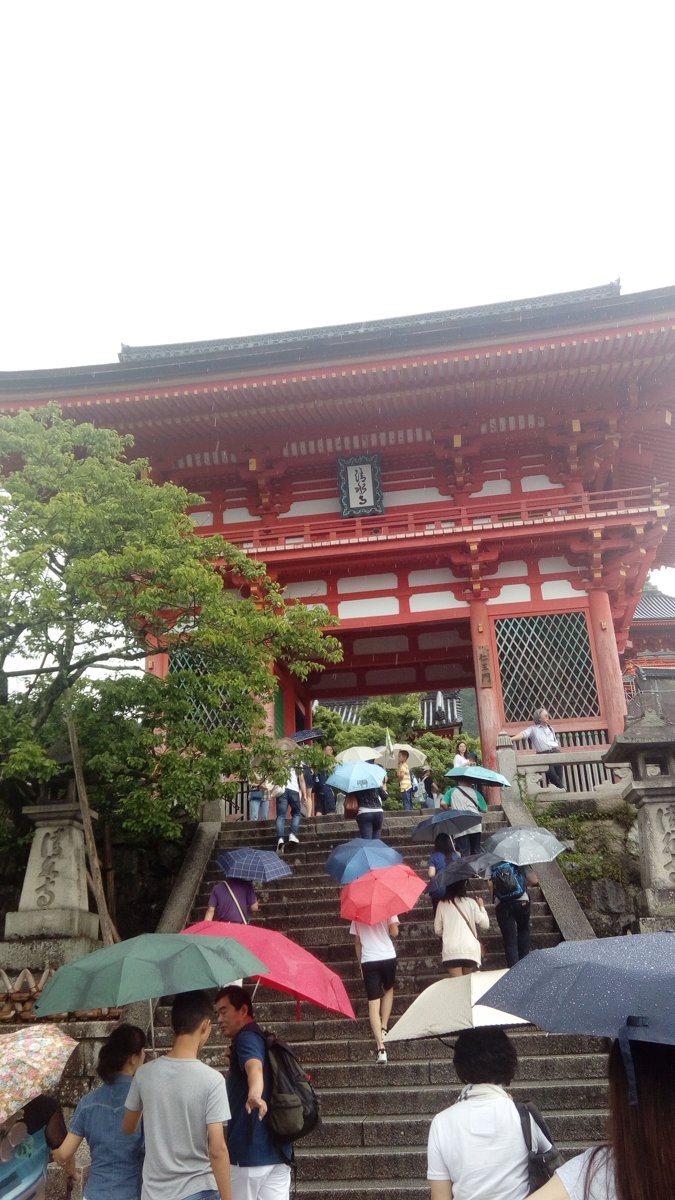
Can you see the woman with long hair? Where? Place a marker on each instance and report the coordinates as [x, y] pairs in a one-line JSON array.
[[116, 1157], [638, 1160], [457, 921]]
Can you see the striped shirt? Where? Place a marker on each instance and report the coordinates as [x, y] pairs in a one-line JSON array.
[[542, 738]]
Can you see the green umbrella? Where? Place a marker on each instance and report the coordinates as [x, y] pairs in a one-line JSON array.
[[154, 964]]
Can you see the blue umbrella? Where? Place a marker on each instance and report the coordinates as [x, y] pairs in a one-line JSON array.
[[480, 774], [306, 735], [357, 777], [258, 866], [605, 987], [454, 822], [351, 860]]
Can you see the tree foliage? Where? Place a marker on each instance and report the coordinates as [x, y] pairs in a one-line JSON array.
[[99, 567]]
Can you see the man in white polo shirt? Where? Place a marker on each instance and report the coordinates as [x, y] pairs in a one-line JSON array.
[[376, 953], [476, 1148]]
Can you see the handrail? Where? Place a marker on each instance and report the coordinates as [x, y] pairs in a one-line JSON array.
[[533, 508]]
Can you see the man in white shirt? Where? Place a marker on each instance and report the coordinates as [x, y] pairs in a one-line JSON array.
[[376, 954], [476, 1148], [544, 741]]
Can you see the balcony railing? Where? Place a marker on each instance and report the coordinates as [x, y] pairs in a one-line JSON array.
[[449, 520]]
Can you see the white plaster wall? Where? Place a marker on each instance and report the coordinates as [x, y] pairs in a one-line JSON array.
[[431, 578], [329, 682], [367, 583], [493, 487], [513, 593], [435, 602], [443, 639], [312, 508], [374, 606], [447, 671], [201, 518], [555, 566], [306, 587], [559, 589], [233, 516], [508, 570], [537, 483], [409, 496]]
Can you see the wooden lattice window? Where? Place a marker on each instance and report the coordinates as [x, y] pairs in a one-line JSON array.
[[205, 715], [546, 662]]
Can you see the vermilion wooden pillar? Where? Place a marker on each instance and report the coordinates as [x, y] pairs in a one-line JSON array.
[[608, 669], [487, 669]]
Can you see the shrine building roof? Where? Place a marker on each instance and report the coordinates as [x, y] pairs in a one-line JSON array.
[[654, 606]]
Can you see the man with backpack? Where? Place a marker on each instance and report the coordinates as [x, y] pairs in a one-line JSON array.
[[259, 1164], [512, 907]]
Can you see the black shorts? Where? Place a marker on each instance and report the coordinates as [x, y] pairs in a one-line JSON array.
[[460, 962], [379, 977]]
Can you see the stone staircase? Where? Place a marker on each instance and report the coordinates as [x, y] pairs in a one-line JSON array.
[[376, 1118]]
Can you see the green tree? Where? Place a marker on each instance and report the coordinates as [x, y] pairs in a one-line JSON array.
[[99, 567]]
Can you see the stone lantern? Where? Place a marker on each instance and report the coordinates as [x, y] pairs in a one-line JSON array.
[[648, 746]]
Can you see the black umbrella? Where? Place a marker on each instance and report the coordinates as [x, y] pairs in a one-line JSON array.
[[619, 987], [470, 867], [306, 735], [454, 822]]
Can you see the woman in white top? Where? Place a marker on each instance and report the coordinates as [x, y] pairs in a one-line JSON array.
[[638, 1162], [376, 955], [460, 759], [458, 917], [476, 1148]]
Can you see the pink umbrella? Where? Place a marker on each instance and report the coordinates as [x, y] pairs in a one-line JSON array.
[[382, 893], [291, 968]]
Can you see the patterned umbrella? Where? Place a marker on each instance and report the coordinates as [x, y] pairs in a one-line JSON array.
[[31, 1062], [258, 866], [524, 844], [306, 735]]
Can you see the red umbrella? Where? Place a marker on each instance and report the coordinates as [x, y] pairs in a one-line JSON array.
[[292, 969], [380, 894]]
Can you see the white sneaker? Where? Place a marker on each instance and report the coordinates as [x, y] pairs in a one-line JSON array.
[[280, 846], [293, 838], [382, 1055]]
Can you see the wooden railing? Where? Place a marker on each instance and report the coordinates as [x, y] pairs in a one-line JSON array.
[[448, 519]]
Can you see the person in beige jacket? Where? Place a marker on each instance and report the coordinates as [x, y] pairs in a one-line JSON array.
[[458, 918]]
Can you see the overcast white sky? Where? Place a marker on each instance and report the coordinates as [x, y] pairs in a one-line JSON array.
[[176, 171]]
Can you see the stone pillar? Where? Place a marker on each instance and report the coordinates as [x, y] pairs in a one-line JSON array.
[[507, 763], [486, 668], [54, 901], [609, 679]]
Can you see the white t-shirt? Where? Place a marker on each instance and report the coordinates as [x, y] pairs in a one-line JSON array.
[[376, 945], [292, 781], [460, 761], [573, 1177], [478, 1145]]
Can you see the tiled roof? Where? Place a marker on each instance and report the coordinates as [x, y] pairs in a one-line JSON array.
[[654, 606], [444, 320]]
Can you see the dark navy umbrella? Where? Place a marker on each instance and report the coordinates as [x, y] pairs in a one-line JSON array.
[[469, 867], [258, 866], [351, 860], [454, 822], [618, 987], [306, 735]]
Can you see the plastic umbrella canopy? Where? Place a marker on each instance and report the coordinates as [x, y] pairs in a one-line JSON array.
[[356, 754], [454, 822], [524, 844], [144, 967], [450, 1005], [597, 987], [258, 866], [382, 893], [31, 1062], [388, 757], [290, 968], [356, 777], [352, 859], [480, 774]]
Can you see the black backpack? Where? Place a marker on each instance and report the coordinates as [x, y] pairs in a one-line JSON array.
[[508, 881], [294, 1109], [541, 1164]]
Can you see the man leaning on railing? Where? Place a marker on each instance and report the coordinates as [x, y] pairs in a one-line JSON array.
[[544, 741]]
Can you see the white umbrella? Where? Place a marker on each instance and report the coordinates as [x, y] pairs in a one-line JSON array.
[[451, 1005], [356, 754], [389, 758]]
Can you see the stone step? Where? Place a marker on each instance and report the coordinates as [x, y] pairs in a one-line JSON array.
[[383, 1130], [422, 1073], [548, 1096]]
